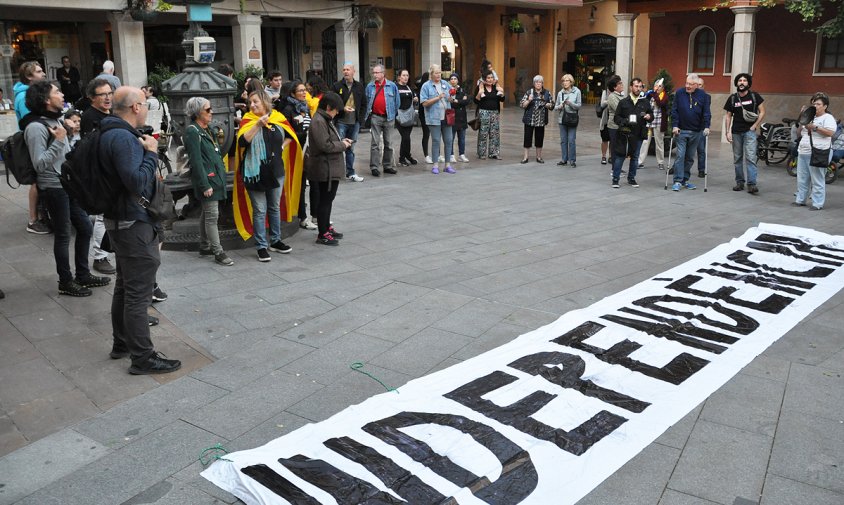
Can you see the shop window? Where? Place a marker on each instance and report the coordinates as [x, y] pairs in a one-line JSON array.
[[702, 50], [831, 55]]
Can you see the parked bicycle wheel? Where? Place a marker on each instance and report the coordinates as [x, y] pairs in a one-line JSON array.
[[831, 173], [776, 153]]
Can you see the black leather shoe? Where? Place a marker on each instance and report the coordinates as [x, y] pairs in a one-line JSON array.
[[412, 160], [390, 171], [153, 321], [376, 173], [157, 363], [118, 351]]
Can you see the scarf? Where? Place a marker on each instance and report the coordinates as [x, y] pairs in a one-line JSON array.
[[293, 167], [300, 106], [252, 164]]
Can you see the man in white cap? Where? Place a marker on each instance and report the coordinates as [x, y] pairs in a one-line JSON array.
[[657, 126]]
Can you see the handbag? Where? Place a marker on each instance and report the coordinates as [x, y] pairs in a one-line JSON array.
[[266, 181], [406, 117], [820, 157], [449, 117], [748, 116], [162, 207], [570, 119], [475, 124]]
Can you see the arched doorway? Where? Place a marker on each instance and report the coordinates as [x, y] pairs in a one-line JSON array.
[[451, 50]]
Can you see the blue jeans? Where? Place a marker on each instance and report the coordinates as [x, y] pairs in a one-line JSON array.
[[349, 131], [266, 206], [744, 151], [568, 134], [441, 132], [460, 133], [806, 174], [66, 214], [687, 144], [618, 162]]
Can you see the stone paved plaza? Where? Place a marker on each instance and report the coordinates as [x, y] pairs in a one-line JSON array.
[[433, 270]]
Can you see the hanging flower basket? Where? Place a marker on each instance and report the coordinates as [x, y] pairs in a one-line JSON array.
[[516, 26], [143, 10], [141, 15]]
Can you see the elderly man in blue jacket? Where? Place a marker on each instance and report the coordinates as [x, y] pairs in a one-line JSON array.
[[132, 231], [382, 98], [691, 116]]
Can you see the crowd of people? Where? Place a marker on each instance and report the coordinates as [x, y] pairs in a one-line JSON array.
[[296, 135]]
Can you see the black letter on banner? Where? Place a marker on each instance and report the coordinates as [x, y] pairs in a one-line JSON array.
[[404, 483], [679, 369], [570, 377], [769, 281], [673, 329], [517, 415], [772, 305], [518, 475], [745, 325], [341, 486], [772, 243], [743, 258], [267, 477]]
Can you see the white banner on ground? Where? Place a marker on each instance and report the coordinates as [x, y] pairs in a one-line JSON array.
[[547, 417]]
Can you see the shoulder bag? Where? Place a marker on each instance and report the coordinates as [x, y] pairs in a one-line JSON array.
[[406, 117], [820, 157]]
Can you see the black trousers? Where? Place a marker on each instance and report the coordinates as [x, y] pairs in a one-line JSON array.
[[68, 216], [537, 132], [404, 149], [327, 192], [314, 193], [136, 250]]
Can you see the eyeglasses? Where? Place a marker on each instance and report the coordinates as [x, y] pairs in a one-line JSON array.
[[208, 110], [108, 93]]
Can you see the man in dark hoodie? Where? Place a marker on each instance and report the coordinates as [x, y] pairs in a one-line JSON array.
[[132, 231], [691, 117], [744, 113], [46, 140], [632, 116]]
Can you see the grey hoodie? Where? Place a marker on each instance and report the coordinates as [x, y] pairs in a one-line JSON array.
[[47, 154]]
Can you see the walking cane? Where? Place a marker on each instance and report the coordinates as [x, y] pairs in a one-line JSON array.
[[706, 170], [668, 167]]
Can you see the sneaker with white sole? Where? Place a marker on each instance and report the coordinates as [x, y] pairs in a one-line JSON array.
[[280, 247], [38, 227], [464, 159], [442, 159], [453, 159], [264, 255], [428, 160], [354, 178], [307, 224], [158, 295]]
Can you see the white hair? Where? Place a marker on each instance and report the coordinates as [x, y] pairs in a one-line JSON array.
[[195, 105], [108, 65], [538, 78], [693, 78], [434, 68]]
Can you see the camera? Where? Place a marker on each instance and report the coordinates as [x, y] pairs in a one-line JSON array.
[[145, 130]]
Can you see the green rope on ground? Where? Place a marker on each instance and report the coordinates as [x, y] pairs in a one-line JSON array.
[[357, 366], [212, 457]]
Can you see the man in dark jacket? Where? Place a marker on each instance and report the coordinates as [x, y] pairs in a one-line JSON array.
[[632, 116], [352, 115], [132, 231], [690, 116]]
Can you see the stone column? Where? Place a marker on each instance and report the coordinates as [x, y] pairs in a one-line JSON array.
[[127, 37], [624, 46], [431, 39], [744, 39], [347, 51], [246, 35]]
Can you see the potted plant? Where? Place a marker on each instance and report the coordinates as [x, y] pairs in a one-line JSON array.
[[146, 10], [516, 26]]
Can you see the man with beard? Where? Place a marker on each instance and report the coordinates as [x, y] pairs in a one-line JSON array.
[[744, 113]]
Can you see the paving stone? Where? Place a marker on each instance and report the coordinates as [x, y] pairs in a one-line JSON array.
[[30, 468], [421, 352], [172, 492], [108, 382], [148, 412], [349, 390], [627, 485], [748, 403], [253, 404], [332, 361], [387, 299], [42, 416], [327, 327], [11, 439], [412, 318], [533, 293], [29, 380], [671, 497], [182, 442], [41, 325], [807, 343], [677, 435], [258, 360], [189, 476], [496, 336], [766, 367], [14, 347], [441, 276], [474, 318], [741, 456], [809, 449], [781, 491], [815, 391], [282, 314]]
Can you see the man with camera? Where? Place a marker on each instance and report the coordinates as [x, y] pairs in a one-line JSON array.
[[744, 113]]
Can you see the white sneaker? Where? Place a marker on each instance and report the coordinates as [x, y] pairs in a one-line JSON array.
[[428, 160], [442, 159], [307, 224], [453, 159], [464, 159], [354, 178]]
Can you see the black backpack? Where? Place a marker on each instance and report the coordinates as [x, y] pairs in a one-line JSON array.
[[17, 160], [83, 177]]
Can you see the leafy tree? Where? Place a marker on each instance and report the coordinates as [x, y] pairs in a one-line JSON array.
[[810, 11]]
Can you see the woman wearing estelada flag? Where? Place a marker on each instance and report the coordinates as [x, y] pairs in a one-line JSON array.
[[268, 179]]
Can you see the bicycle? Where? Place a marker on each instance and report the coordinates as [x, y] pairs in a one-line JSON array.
[[775, 142]]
